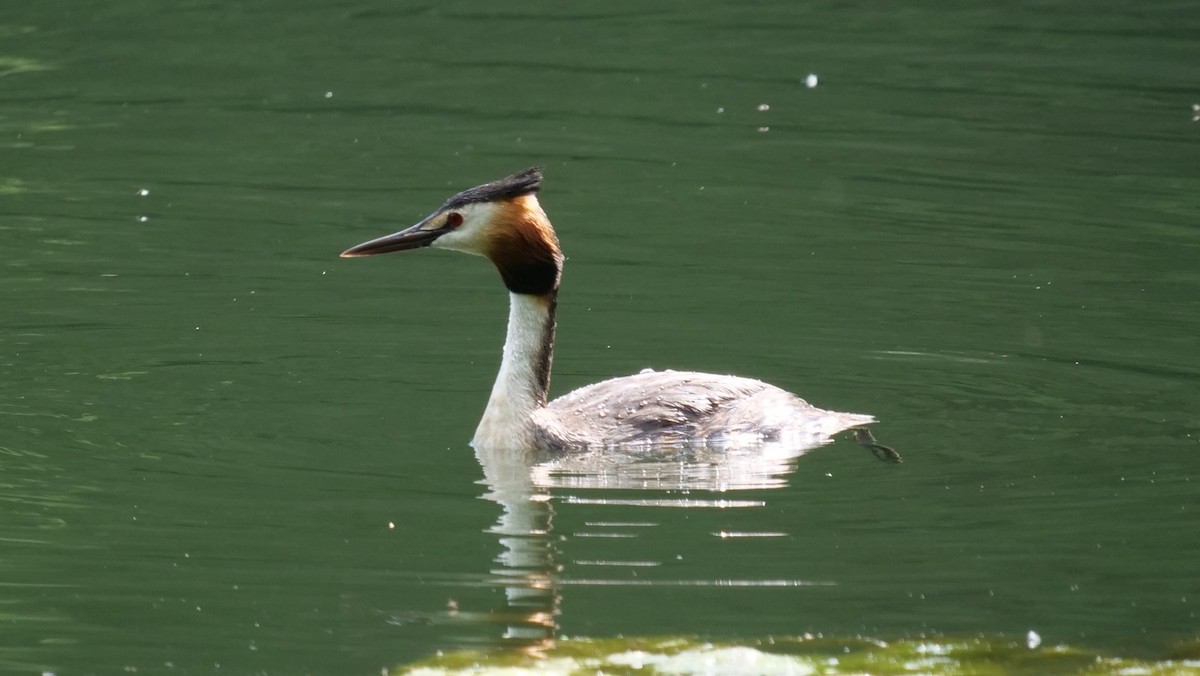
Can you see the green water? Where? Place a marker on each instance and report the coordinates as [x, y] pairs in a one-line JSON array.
[[223, 447]]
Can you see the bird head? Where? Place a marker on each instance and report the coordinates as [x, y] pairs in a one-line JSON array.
[[501, 220]]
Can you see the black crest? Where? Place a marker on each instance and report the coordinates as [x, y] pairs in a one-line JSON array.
[[523, 183]]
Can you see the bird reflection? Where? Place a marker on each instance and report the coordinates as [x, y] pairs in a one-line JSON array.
[[525, 487], [527, 568]]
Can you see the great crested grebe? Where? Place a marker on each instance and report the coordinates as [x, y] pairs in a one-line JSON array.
[[503, 221]]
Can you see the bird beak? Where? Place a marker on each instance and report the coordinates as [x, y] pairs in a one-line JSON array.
[[419, 235]]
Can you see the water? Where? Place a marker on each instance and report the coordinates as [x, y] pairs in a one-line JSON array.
[[220, 445]]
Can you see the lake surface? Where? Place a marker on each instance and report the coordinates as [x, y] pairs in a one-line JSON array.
[[221, 447]]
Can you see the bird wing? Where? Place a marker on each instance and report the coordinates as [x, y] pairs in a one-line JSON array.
[[658, 405]]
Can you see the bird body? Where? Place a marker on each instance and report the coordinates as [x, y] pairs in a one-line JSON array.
[[503, 221], [684, 407]]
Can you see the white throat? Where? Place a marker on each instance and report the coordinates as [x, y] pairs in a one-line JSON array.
[[521, 385]]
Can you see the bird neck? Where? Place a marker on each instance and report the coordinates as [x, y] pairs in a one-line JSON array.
[[524, 248], [524, 379]]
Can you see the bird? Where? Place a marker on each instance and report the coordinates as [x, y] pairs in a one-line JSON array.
[[504, 222]]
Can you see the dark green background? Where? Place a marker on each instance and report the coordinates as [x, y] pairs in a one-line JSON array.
[[981, 227]]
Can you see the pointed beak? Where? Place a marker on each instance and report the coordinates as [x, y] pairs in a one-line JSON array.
[[420, 235]]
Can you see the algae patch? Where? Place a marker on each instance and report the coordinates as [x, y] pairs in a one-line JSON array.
[[798, 656]]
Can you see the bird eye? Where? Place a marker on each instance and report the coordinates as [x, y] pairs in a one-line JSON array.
[[454, 219]]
